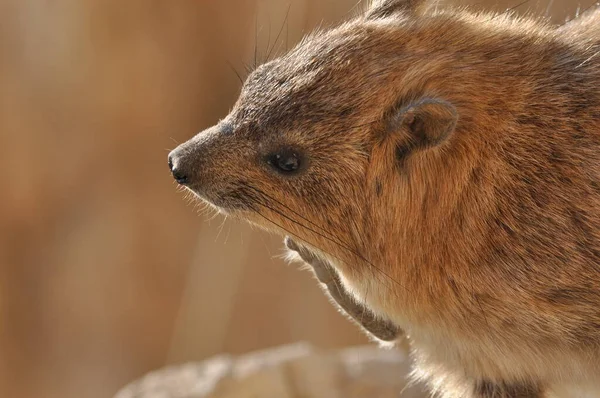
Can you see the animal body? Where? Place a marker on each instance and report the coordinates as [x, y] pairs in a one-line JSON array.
[[444, 166]]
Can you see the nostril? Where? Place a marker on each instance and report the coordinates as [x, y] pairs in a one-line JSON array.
[[178, 174]]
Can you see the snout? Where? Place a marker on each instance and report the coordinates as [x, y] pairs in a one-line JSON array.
[[191, 163], [202, 165], [180, 167]]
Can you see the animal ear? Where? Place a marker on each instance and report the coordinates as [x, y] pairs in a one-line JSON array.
[[386, 8], [427, 123]]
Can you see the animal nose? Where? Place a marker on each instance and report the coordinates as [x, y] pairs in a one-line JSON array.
[[175, 165]]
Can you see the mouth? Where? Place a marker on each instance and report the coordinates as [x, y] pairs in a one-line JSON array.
[[228, 202]]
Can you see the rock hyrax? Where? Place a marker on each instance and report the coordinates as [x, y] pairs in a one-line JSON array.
[[445, 167]]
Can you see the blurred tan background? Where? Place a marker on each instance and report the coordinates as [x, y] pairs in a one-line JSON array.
[[106, 272]]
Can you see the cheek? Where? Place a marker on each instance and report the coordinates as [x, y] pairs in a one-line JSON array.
[[315, 201], [287, 205], [338, 184]]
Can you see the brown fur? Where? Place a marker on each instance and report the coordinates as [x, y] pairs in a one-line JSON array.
[[450, 173]]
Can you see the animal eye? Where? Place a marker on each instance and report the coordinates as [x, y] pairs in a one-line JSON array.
[[285, 162]]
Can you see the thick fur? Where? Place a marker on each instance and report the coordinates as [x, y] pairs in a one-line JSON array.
[[483, 247]]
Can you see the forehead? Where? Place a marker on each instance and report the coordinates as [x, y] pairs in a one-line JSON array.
[[327, 76]]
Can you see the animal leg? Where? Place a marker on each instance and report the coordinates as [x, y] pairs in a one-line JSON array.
[[381, 328]]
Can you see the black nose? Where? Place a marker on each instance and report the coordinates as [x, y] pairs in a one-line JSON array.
[[178, 174]]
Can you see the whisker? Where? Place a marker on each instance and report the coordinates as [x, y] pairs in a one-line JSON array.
[[510, 9], [235, 71], [287, 35], [290, 209], [589, 59], [580, 13], [255, 37], [287, 14], [383, 274], [228, 233], [269, 32], [221, 228], [354, 8], [350, 250], [548, 8], [595, 3], [331, 237]]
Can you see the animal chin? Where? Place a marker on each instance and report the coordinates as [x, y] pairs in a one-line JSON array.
[[215, 203], [228, 203]]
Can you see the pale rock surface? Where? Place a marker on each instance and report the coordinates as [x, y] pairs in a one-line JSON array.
[[294, 371]]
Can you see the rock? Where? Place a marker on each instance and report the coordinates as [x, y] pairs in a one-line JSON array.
[[294, 371]]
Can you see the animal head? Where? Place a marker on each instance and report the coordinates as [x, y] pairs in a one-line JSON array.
[[358, 135]]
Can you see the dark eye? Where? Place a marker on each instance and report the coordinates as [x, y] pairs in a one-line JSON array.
[[285, 161]]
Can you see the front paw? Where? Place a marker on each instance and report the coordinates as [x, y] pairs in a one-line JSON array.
[[323, 270], [382, 329]]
